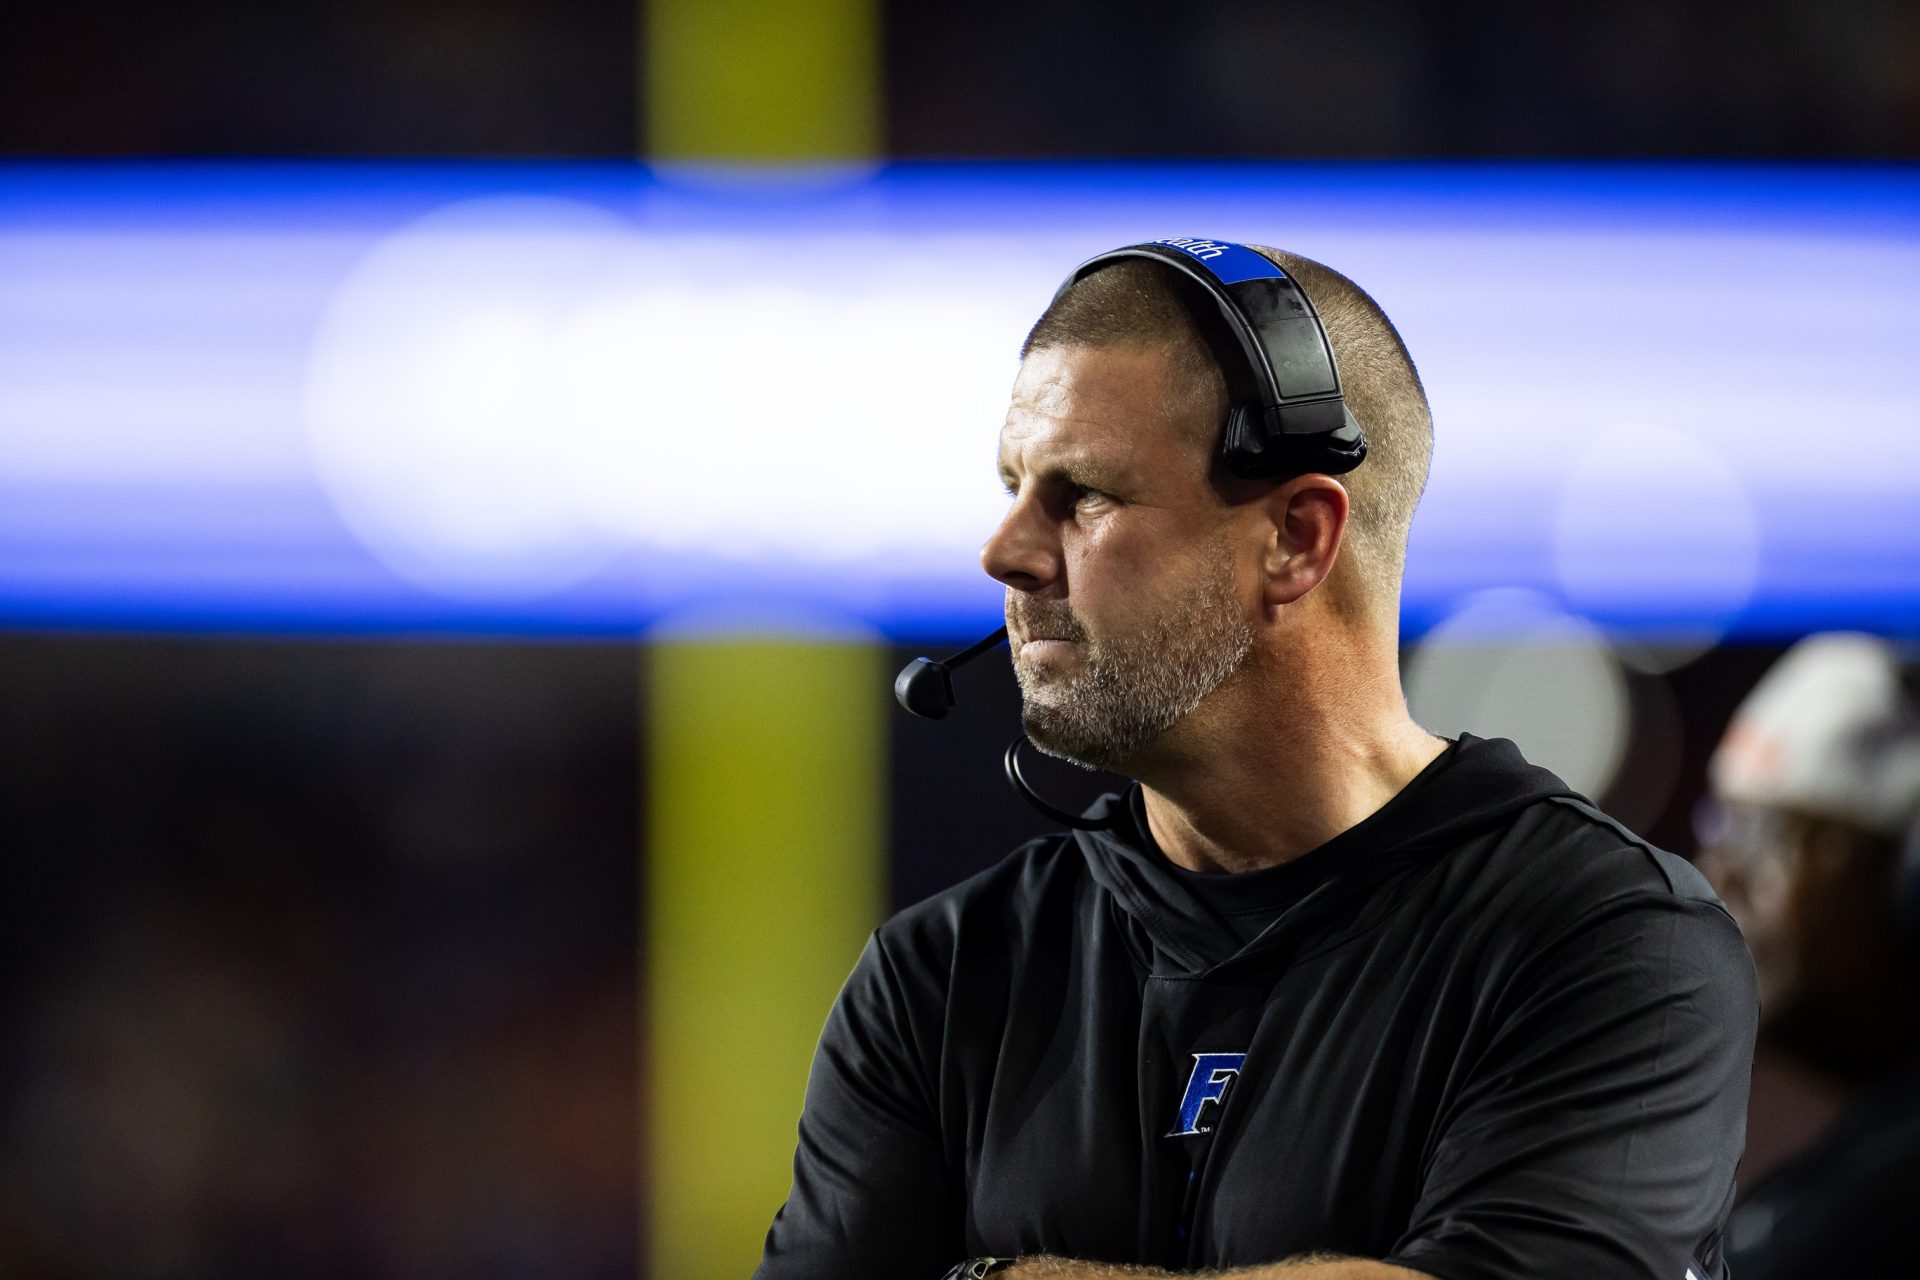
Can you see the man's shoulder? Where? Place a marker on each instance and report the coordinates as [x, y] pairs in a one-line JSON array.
[[1562, 868], [1598, 858], [1002, 901], [1030, 893]]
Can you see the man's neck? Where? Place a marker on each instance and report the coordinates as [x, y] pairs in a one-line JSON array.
[[1262, 794]]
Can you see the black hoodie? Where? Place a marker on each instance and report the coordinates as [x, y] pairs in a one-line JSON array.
[[1486, 1034]]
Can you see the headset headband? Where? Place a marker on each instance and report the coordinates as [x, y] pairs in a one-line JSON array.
[[1300, 421]]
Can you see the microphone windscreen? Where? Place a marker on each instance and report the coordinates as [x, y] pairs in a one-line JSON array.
[[925, 688]]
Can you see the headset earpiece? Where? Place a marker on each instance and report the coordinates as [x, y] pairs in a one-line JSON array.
[[1296, 420]]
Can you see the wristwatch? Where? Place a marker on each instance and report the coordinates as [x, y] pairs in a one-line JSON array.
[[979, 1268]]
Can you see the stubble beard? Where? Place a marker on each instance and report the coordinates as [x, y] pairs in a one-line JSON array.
[[1131, 688]]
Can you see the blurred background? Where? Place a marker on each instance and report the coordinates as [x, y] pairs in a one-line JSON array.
[[469, 472]]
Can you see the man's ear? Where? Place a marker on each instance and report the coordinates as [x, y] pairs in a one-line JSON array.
[[1308, 516]]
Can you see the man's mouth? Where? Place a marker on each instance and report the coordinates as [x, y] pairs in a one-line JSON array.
[[1043, 646], [1050, 630]]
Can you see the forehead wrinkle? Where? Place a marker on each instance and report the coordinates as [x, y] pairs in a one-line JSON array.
[[1085, 424], [1187, 396]]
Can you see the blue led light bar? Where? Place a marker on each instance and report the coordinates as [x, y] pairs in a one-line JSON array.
[[482, 398]]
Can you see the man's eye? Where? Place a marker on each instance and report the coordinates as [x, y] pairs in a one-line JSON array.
[[1083, 494]]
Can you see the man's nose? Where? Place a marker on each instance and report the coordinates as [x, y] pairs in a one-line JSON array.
[[1022, 553]]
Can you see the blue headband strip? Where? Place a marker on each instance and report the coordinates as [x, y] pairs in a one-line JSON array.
[[1229, 263]]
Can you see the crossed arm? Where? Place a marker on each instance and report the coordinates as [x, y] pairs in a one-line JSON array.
[[1592, 1138], [1319, 1266]]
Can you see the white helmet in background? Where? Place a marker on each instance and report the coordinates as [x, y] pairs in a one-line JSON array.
[[1830, 731]]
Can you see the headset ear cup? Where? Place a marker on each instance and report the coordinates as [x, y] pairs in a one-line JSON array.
[[1254, 447], [1243, 442]]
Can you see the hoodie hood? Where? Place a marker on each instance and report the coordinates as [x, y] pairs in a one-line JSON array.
[[1474, 785]]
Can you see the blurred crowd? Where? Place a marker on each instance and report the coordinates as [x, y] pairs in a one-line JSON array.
[[1368, 78], [320, 959], [317, 960]]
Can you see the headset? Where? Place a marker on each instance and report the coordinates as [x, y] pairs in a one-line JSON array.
[[1288, 417]]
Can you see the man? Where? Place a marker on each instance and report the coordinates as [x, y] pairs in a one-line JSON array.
[[1812, 838], [1328, 997]]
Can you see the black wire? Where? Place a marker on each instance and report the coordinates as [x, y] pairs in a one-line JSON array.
[[1077, 821], [975, 649]]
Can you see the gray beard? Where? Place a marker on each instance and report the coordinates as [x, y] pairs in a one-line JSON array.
[[1130, 689]]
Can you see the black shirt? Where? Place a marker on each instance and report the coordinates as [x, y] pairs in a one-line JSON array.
[[1486, 1034], [1247, 903], [1843, 1207]]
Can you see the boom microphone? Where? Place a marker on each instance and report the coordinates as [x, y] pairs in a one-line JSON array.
[[925, 687]]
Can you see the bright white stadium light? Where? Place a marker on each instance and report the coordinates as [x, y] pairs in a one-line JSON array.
[[505, 394], [1644, 502], [580, 398], [1509, 663]]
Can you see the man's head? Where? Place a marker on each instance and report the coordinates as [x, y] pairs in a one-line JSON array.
[[1815, 792], [1159, 574]]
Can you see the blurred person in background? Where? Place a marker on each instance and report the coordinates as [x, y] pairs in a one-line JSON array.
[[1812, 836]]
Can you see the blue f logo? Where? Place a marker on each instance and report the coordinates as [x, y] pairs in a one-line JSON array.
[[1212, 1073]]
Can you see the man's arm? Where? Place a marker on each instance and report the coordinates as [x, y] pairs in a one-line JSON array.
[[1319, 1266], [872, 1194], [1598, 1131]]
